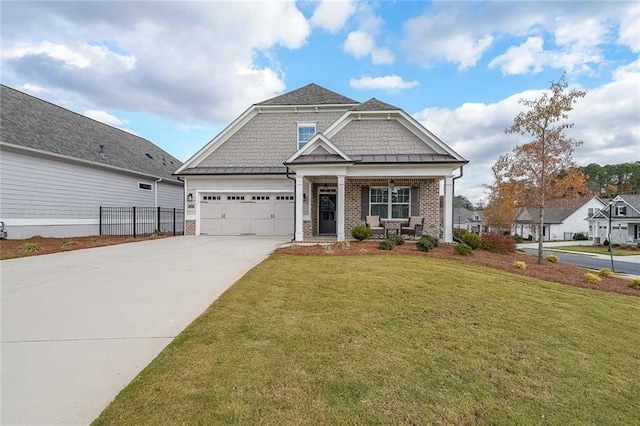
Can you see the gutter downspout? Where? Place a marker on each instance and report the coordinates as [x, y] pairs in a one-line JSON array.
[[155, 202], [453, 196], [294, 209]]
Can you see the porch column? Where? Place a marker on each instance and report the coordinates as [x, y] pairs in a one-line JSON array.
[[447, 220], [299, 236], [340, 209]]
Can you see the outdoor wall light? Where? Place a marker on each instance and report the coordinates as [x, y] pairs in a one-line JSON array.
[[391, 183], [190, 197]]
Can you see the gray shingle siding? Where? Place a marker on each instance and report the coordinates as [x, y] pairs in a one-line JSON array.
[[267, 140], [378, 137]]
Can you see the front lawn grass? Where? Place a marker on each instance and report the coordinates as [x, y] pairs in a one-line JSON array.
[[599, 250], [394, 340]]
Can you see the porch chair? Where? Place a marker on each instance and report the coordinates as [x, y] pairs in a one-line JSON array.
[[413, 228], [373, 223]]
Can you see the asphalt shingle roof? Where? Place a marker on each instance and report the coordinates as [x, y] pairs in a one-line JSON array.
[[311, 94], [374, 104], [30, 122]]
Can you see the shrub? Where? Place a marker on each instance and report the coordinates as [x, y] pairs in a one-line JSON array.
[[605, 243], [580, 237], [426, 243], [397, 239], [518, 239], [553, 258], [635, 284], [605, 272], [592, 278], [472, 240], [68, 242], [462, 249], [29, 248], [530, 238], [520, 264], [496, 243], [387, 244], [638, 246], [458, 233], [361, 232]]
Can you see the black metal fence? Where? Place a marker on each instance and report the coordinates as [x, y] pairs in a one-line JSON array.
[[137, 221]]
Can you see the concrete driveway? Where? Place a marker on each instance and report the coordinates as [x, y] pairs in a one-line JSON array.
[[79, 326]]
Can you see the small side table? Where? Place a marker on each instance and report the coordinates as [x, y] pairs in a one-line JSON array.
[[391, 227]]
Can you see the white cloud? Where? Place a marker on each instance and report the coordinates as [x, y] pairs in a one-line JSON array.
[[33, 89], [607, 120], [359, 44], [106, 118], [521, 59], [389, 83], [332, 15], [193, 61], [382, 55], [460, 34]]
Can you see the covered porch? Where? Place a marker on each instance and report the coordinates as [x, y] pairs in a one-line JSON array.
[[329, 205]]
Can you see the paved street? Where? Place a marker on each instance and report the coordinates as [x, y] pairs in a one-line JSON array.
[[629, 266], [79, 326]]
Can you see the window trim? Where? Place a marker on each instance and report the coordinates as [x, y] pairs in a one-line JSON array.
[[150, 186], [390, 202], [619, 208], [302, 125]]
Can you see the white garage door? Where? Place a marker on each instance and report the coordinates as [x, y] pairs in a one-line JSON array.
[[246, 214]]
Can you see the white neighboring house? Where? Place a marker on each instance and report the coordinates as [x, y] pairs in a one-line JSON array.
[[561, 222], [470, 221], [625, 220], [58, 167]]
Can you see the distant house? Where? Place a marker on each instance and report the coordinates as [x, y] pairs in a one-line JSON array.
[[561, 221], [315, 163], [58, 167], [625, 220], [471, 221]]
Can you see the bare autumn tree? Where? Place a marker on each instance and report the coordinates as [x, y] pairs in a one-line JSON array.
[[537, 168]]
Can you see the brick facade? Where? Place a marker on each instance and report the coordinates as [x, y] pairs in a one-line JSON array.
[[429, 201], [190, 229]]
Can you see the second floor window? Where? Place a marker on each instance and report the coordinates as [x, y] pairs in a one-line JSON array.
[[621, 210], [305, 132]]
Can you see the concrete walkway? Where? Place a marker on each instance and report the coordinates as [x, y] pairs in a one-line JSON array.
[[79, 326]]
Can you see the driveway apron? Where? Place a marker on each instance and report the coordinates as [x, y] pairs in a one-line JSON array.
[[79, 326]]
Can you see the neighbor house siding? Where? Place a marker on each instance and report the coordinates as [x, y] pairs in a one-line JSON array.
[[267, 140], [429, 201], [170, 195], [378, 137], [49, 197]]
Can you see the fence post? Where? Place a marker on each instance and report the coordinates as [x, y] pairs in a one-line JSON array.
[[100, 222], [158, 222], [134, 222], [174, 221]]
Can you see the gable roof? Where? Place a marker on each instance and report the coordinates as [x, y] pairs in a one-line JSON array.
[[555, 212], [33, 124], [311, 94], [374, 104], [467, 215], [632, 200]]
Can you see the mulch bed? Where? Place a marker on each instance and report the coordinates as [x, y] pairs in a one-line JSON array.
[[561, 273], [10, 249]]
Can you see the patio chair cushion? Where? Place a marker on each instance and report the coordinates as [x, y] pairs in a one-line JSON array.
[[373, 221], [415, 220]]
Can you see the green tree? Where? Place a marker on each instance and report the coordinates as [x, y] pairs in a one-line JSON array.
[[535, 167]]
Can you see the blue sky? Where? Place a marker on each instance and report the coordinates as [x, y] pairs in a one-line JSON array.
[[177, 73]]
